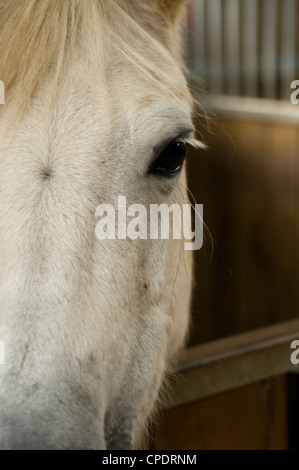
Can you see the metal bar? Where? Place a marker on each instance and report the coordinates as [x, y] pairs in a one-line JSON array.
[[215, 44], [287, 63], [232, 45], [250, 50], [247, 47], [199, 37], [269, 49]]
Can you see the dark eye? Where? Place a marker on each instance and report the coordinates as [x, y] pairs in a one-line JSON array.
[[171, 160]]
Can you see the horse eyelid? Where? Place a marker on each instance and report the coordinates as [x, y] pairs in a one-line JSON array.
[[184, 137]]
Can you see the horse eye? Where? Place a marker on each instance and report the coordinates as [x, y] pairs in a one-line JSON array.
[[171, 160]]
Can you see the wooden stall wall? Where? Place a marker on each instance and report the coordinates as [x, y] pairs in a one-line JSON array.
[[248, 182], [246, 292], [235, 391]]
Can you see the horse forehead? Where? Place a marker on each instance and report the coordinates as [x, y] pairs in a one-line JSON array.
[[98, 120], [127, 99], [90, 115]]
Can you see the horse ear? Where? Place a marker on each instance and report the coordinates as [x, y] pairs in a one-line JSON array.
[[173, 10]]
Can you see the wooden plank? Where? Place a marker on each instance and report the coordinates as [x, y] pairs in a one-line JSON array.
[[250, 418], [293, 410], [233, 362], [275, 413], [217, 423]]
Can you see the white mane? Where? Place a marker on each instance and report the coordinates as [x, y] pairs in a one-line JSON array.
[[39, 39]]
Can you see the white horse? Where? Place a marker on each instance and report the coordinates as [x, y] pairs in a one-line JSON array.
[[97, 106]]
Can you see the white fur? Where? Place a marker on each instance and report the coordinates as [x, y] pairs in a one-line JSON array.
[[90, 327]]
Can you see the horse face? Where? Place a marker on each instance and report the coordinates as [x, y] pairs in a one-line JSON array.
[[90, 325]]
